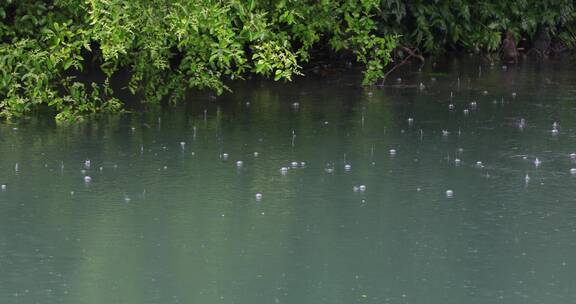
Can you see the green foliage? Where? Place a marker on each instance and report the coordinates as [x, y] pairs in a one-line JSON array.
[[171, 46]]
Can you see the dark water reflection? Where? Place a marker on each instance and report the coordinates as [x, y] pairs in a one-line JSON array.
[[162, 222]]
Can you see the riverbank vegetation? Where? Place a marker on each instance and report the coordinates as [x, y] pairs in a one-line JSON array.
[[169, 47]]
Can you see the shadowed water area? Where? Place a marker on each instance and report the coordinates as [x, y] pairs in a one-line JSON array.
[[437, 204]]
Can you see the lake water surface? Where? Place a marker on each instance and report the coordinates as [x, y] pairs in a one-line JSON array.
[[459, 190]]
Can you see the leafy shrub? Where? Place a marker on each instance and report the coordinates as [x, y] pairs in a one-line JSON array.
[[171, 46]]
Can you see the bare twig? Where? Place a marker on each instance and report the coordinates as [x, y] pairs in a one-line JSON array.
[[411, 54]]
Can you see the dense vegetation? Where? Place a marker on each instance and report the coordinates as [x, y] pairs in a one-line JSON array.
[[171, 46]]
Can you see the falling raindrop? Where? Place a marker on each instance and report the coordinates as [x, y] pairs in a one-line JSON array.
[[537, 162]]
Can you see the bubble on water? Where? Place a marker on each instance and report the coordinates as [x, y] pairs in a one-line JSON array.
[[573, 155], [284, 170], [182, 144], [127, 199], [573, 171], [473, 104], [224, 156], [479, 164], [258, 196], [87, 164], [410, 121], [449, 193], [256, 154], [362, 188], [347, 167], [294, 164], [87, 179], [295, 105], [355, 188], [239, 163], [485, 93], [457, 161], [514, 94], [451, 106], [302, 164], [392, 152], [3, 187], [445, 133], [466, 111]]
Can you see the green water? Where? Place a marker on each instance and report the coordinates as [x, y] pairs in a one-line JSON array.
[[166, 218]]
